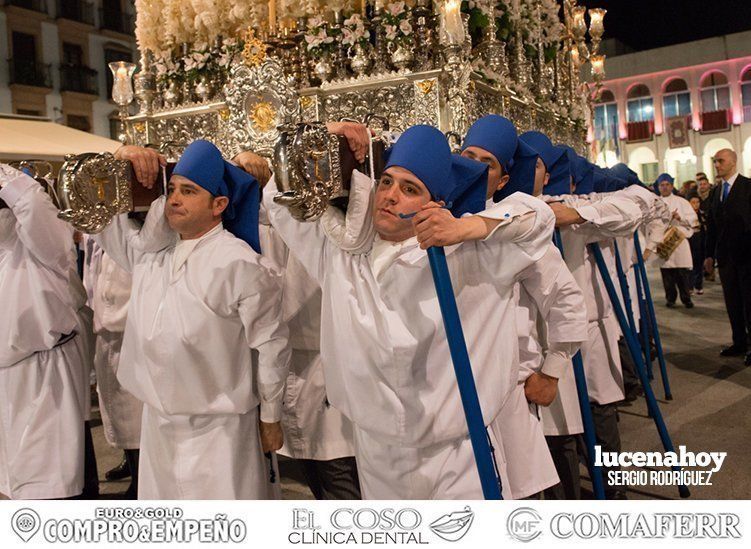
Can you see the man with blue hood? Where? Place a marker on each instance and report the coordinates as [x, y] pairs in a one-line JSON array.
[[546, 295], [384, 348], [594, 214], [197, 309], [676, 269]]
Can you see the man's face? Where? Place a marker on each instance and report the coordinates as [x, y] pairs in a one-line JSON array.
[[541, 177], [704, 185], [496, 178], [191, 209], [398, 192], [724, 164], [666, 188]]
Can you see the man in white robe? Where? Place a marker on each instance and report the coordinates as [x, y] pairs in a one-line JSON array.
[[197, 309], [676, 270], [109, 287], [598, 218], [45, 348], [546, 295], [383, 344]]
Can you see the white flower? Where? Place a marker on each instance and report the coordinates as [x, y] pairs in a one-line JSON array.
[[405, 27], [396, 8], [390, 32]]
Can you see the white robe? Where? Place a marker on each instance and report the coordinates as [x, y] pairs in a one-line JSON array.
[[196, 310], [681, 257], [108, 286], [43, 378], [607, 216], [383, 344], [548, 295], [313, 429]]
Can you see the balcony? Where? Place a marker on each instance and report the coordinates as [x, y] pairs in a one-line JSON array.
[[122, 23], [715, 121], [640, 131], [76, 10], [79, 79], [32, 5], [30, 73]]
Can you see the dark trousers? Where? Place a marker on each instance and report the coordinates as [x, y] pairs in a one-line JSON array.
[[676, 281], [736, 287], [608, 438], [697, 254], [566, 459], [333, 479]]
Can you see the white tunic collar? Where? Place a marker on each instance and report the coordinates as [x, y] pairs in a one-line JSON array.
[[184, 248], [385, 252]]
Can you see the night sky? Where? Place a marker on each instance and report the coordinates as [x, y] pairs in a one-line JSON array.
[[646, 24]]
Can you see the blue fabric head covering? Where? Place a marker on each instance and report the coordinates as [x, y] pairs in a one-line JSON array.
[[540, 142], [665, 177], [560, 175], [583, 172], [522, 173], [459, 182], [605, 182], [497, 135], [622, 171], [203, 164]]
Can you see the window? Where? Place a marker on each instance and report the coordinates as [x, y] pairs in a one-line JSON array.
[[676, 101], [649, 171], [715, 93], [606, 116], [28, 112], [111, 55], [78, 122], [746, 94], [72, 54], [639, 106]]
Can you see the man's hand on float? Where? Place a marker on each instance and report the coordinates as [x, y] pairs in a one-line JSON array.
[[255, 165], [145, 162], [357, 135]]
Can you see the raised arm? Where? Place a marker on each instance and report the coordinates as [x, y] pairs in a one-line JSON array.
[[125, 241], [46, 237], [305, 240]]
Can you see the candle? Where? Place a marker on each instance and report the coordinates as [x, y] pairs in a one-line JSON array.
[[598, 65], [272, 17], [363, 6], [452, 21]]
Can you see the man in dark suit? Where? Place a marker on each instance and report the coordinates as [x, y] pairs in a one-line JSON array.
[[729, 243]]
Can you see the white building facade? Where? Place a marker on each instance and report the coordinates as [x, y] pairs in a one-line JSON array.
[[671, 109], [54, 56]]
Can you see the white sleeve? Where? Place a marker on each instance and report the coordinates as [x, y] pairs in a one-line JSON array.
[[305, 240], [43, 234], [610, 216], [125, 241], [527, 225], [561, 305], [261, 314], [688, 218]]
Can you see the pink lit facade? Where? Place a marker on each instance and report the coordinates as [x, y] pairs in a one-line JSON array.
[[699, 91]]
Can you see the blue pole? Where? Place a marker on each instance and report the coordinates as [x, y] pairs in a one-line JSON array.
[[645, 326], [652, 318], [625, 290], [633, 348], [595, 471], [491, 483]]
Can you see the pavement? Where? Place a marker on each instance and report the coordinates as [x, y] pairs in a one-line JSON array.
[[709, 411]]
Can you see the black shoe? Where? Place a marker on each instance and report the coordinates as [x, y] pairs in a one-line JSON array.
[[733, 350], [747, 360], [670, 304], [689, 305], [118, 473]]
